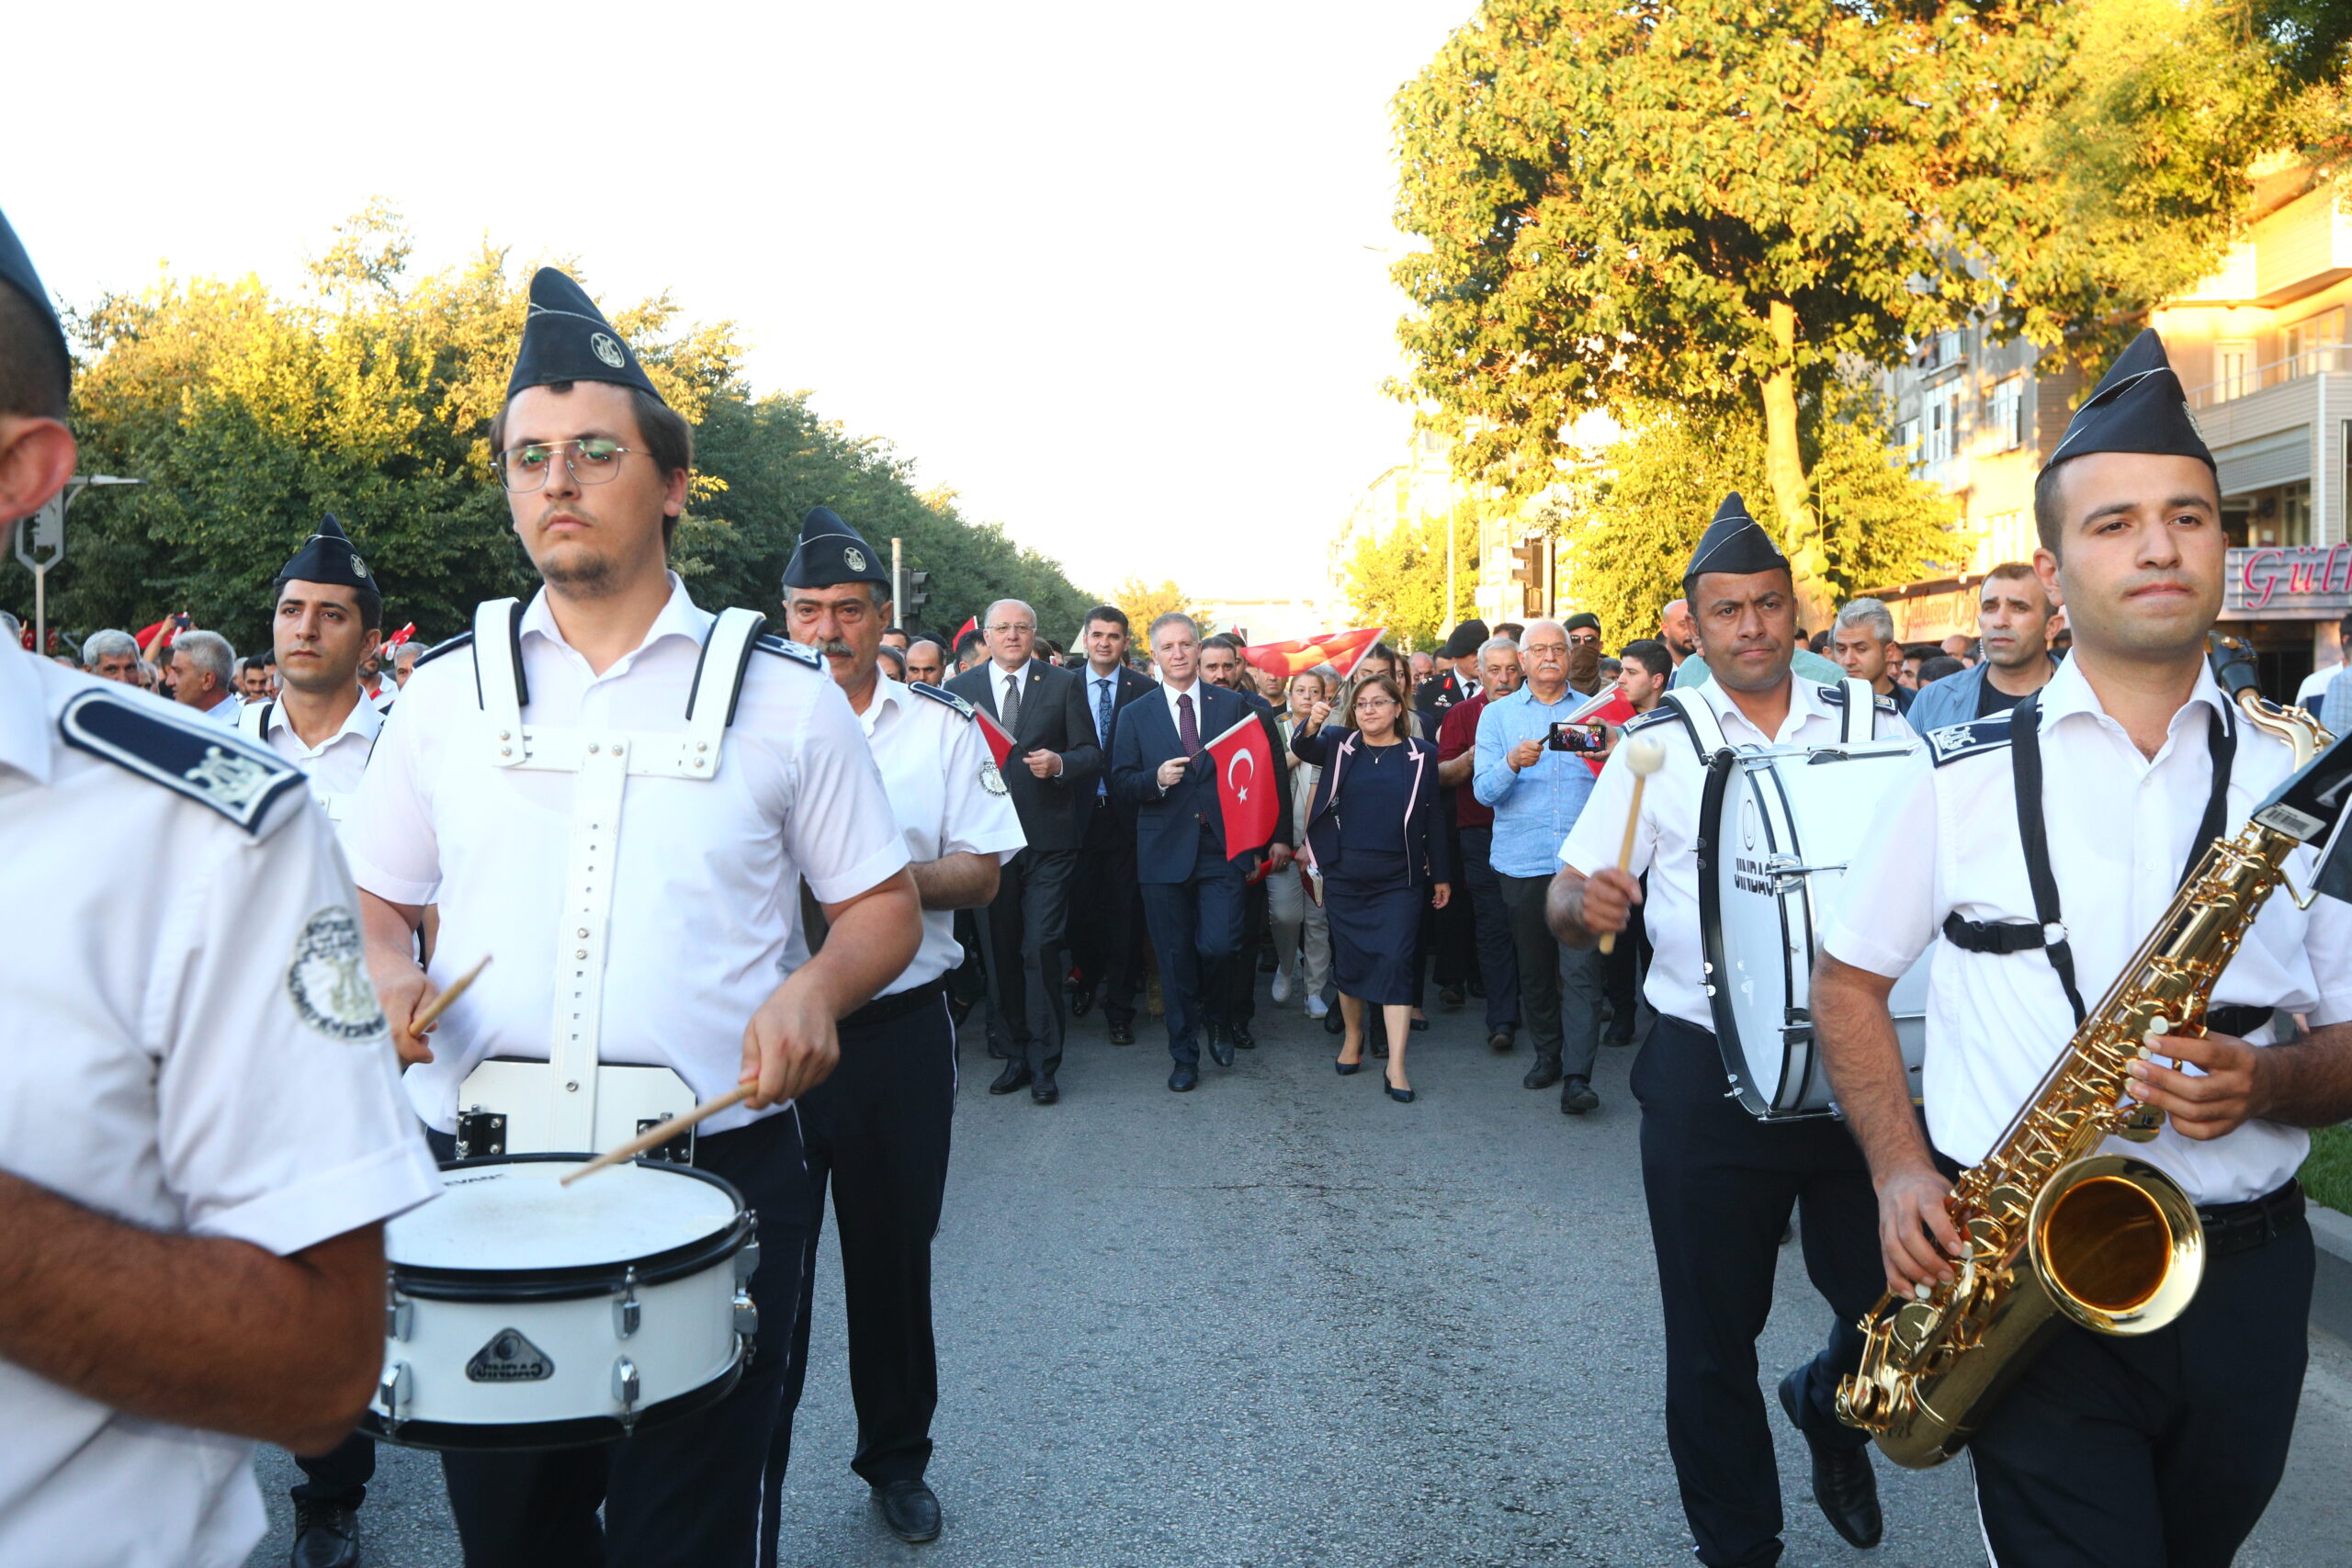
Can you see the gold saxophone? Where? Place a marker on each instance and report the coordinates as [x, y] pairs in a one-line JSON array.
[[2056, 1232]]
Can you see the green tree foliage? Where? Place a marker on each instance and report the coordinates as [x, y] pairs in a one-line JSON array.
[[369, 394], [1398, 581], [1639, 506], [1146, 603]]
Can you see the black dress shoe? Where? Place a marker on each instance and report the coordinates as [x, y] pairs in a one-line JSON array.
[[1239, 1035], [959, 1008], [1843, 1482], [1502, 1040], [1082, 1003], [1123, 1034], [1401, 1096], [1451, 996], [1335, 1022], [1015, 1074], [1576, 1097], [1183, 1077], [1220, 1047], [1420, 1025], [1544, 1074], [909, 1509], [325, 1535], [1380, 1047], [1266, 965], [1348, 1068], [1045, 1091]]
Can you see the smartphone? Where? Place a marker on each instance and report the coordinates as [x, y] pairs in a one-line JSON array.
[[1584, 740]]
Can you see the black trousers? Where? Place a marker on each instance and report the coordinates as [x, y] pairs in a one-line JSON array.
[[338, 1477], [878, 1130], [1105, 916], [686, 1495], [1026, 923], [1197, 932], [1446, 934], [2163, 1448], [1720, 1185], [1238, 989], [1623, 970], [1498, 961]]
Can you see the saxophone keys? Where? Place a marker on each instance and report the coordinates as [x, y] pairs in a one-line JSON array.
[[2139, 1124]]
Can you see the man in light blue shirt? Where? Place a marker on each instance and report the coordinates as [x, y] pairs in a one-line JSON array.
[[1536, 794]]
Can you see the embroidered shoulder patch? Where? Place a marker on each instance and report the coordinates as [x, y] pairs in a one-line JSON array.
[[328, 979], [1665, 712], [196, 758], [792, 650], [942, 694], [1952, 741]]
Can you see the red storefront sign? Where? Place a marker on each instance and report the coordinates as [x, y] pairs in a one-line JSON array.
[[2311, 581]]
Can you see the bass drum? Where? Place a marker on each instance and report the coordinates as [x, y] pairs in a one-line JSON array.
[[1777, 828]]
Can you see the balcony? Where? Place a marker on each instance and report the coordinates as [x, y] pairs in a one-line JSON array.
[[2319, 360]]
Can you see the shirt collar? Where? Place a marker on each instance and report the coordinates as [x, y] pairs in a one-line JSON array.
[[24, 716], [680, 617], [1805, 701], [364, 719], [2069, 692], [887, 694]]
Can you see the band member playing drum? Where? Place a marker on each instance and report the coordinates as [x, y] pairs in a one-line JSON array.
[[1721, 1184], [2041, 846], [623, 796]]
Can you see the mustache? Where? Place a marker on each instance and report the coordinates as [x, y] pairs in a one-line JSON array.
[[836, 648]]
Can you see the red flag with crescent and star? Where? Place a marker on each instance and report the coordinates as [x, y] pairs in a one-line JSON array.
[[1000, 742], [1246, 787], [1338, 650]]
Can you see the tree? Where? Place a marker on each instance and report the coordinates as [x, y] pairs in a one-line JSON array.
[[1399, 581], [1145, 604]]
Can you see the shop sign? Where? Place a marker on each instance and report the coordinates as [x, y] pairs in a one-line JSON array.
[[2310, 579]]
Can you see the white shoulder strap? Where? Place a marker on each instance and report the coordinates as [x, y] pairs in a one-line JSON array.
[[1860, 721], [252, 721], [1706, 730], [498, 676], [718, 684]]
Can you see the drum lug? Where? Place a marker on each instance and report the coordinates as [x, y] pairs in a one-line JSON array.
[[400, 1315], [626, 1312], [482, 1134], [747, 1313], [391, 1398], [747, 1261], [625, 1390]]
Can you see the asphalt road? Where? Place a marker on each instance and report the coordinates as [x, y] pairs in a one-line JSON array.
[[1284, 1320]]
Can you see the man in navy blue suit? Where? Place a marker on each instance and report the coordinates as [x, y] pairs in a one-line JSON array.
[[1105, 924], [1192, 894]]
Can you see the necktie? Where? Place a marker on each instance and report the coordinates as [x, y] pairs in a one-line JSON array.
[[1102, 728], [1186, 730], [1010, 709]]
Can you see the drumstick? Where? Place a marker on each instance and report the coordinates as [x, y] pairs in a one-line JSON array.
[[1643, 757], [660, 1132], [440, 1004]]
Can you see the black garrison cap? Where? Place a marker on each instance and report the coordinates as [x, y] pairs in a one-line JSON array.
[[566, 338], [1734, 543], [1582, 618], [16, 270], [1467, 638], [831, 553], [2138, 406], [328, 556]]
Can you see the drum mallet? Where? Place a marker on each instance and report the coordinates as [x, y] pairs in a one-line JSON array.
[[440, 1004], [1643, 757], [660, 1133]]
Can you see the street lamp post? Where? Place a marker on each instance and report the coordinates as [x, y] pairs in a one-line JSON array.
[[45, 530]]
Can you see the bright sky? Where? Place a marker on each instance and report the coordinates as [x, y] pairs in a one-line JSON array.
[[1107, 271]]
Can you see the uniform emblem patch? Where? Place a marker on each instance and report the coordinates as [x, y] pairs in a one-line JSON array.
[[358, 567], [992, 780], [230, 779], [855, 556], [328, 979], [606, 348]]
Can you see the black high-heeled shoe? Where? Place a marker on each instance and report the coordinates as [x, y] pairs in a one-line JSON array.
[[1347, 1067], [1401, 1096], [1420, 1025]]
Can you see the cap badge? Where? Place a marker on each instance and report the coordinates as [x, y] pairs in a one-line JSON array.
[[855, 556], [358, 567], [608, 349]]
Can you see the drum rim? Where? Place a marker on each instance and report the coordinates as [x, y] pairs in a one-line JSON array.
[[571, 1281], [569, 1432]]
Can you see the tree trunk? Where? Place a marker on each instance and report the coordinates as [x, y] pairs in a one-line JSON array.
[[1784, 467]]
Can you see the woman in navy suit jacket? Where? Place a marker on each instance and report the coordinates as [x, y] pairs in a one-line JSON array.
[[1376, 836]]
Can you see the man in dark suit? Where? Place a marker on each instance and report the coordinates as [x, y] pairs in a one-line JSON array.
[[1106, 922], [1236, 1000], [1450, 934], [1055, 762], [1192, 894]]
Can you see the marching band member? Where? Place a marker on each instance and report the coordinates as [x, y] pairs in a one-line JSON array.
[[201, 1134], [622, 796], [2163, 1447], [1721, 1183], [879, 1126]]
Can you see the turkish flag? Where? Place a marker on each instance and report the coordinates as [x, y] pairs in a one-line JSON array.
[[1608, 705], [401, 635], [1246, 787], [1338, 650], [1000, 742]]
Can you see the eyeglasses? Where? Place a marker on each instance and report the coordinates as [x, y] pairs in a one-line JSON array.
[[1375, 704], [593, 460], [1011, 626]]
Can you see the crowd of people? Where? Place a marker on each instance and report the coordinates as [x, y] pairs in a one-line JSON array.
[[842, 843]]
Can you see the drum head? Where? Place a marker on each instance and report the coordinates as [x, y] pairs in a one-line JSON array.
[[513, 1218]]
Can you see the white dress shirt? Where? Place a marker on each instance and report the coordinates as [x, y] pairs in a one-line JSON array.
[[190, 1042], [2119, 826], [705, 895], [1665, 842], [337, 763], [949, 799]]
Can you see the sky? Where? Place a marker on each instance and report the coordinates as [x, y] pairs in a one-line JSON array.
[[1115, 275]]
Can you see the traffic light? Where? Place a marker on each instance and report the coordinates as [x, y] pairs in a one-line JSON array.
[[1526, 570], [918, 590]]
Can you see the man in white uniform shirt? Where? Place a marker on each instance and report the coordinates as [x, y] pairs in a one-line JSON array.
[[2111, 781], [1721, 1184], [878, 1127], [202, 1133], [620, 795], [327, 621]]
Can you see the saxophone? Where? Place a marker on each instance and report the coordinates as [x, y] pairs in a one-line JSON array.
[[2055, 1230]]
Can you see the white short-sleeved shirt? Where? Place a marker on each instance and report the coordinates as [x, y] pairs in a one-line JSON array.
[[190, 1042], [705, 896], [336, 764], [2120, 829], [949, 799], [1665, 839]]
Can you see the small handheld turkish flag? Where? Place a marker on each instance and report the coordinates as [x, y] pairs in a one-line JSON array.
[[1246, 787], [1609, 705], [999, 743]]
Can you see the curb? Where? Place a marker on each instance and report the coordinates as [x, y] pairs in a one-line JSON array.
[[2332, 1283]]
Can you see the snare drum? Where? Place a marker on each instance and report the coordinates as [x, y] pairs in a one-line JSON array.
[[522, 1314], [1778, 826]]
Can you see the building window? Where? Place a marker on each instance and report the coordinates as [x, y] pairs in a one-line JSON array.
[[2315, 346], [1907, 443], [2008, 537], [2232, 368], [1938, 433], [2005, 414]]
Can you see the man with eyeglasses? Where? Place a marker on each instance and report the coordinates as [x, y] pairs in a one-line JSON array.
[[622, 797], [1055, 757]]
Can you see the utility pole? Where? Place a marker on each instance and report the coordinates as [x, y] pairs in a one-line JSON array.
[[897, 580], [45, 530], [1450, 601]]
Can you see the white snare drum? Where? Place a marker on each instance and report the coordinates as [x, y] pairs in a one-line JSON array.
[[1777, 828], [522, 1314]]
